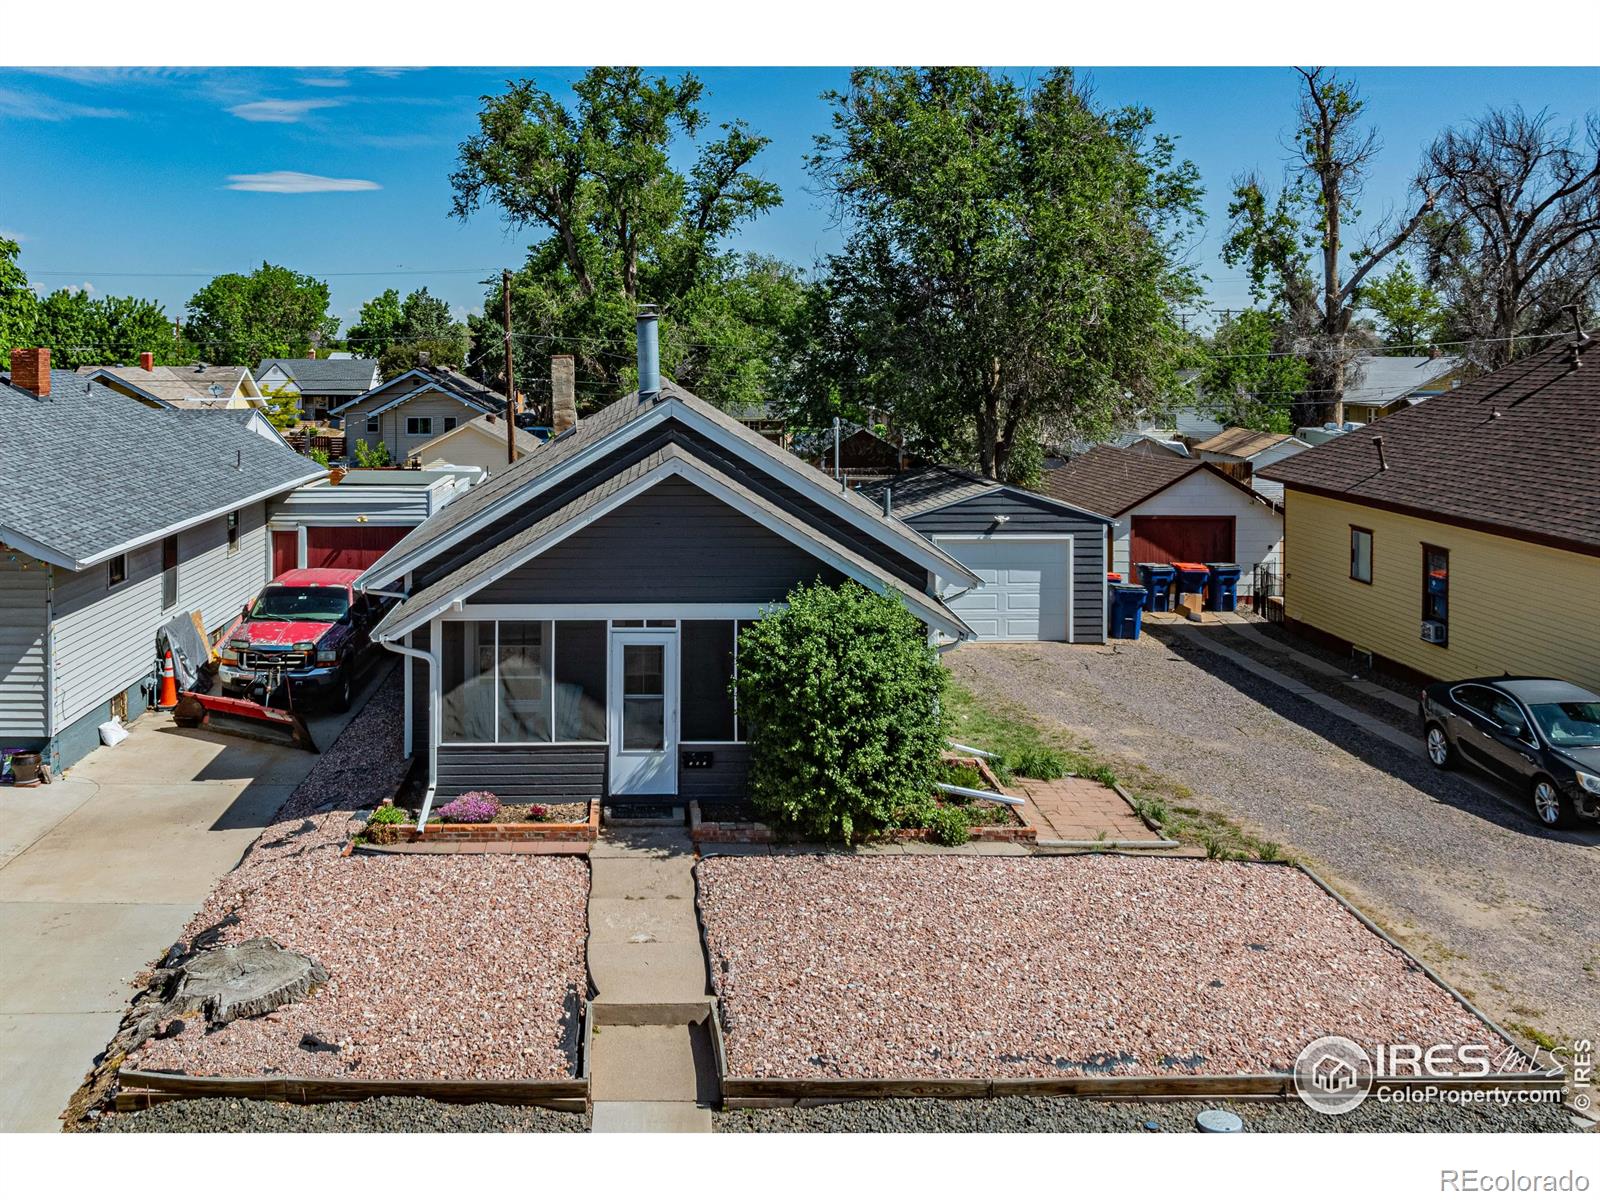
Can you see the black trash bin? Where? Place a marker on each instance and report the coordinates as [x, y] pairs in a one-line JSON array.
[[1157, 579], [1127, 609], [1222, 588]]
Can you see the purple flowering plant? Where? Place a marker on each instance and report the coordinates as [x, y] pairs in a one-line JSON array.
[[471, 808]]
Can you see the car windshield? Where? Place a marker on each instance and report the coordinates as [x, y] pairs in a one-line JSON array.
[[301, 604], [1570, 723]]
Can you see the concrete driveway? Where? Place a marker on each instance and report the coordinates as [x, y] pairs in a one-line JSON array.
[[99, 873]]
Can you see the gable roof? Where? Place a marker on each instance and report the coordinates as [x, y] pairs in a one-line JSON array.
[[186, 386], [419, 380], [325, 376], [635, 480], [1244, 443], [488, 425], [1109, 480], [928, 489], [1386, 378], [612, 427], [105, 472], [1515, 452]]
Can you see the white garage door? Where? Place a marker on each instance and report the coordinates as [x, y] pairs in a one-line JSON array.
[[1024, 594]]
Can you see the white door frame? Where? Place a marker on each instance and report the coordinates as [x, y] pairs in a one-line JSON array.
[[1024, 537], [643, 772]]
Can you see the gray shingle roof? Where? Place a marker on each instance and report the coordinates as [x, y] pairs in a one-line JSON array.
[[325, 376], [939, 486], [90, 470], [1384, 378]]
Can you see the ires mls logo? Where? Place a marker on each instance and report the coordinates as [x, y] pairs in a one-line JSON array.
[[1333, 1075]]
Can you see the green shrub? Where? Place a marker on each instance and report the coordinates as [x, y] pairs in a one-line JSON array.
[[319, 456], [1041, 763], [841, 692], [949, 825], [388, 814], [962, 775], [372, 456]]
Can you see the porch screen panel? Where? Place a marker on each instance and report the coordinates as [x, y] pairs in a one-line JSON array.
[[580, 681], [467, 669], [525, 681], [705, 675]]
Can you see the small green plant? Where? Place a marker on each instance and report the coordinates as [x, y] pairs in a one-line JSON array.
[[1040, 762], [1215, 847], [1001, 766], [372, 456], [949, 825], [1152, 812], [319, 456], [388, 814], [962, 775], [1270, 852]]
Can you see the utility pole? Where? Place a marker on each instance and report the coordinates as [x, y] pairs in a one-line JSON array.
[[511, 377]]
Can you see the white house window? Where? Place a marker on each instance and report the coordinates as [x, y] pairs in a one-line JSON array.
[[1360, 554], [116, 570], [372, 424], [523, 704], [419, 426], [233, 532], [522, 682]]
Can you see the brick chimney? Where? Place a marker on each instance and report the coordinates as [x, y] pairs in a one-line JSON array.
[[563, 393], [30, 371], [147, 361]]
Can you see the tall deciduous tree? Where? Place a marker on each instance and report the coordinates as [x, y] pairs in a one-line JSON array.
[[1294, 244], [1408, 311], [1517, 233], [1250, 377], [1009, 272], [272, 312], [18, 304], [377, 325], [620, 225], [83, 330]]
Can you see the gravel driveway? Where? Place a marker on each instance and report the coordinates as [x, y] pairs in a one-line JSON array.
[[1502, 908]]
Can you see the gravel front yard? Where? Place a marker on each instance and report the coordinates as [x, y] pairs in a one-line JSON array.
[[441, 966], [1497, 905], [833, 966], [385, 1114]]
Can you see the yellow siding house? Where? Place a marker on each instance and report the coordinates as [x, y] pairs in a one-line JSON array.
[[1460, 537]]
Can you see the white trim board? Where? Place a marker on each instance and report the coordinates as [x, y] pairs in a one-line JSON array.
[[785, 527], [892, 531]]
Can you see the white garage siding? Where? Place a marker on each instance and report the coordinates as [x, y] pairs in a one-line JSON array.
[[1025, 594], [1258, 528]]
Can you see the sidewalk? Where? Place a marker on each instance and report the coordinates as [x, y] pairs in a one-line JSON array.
[[1072, 810]]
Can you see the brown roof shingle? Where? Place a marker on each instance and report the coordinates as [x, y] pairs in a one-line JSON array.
[[1515, 452]]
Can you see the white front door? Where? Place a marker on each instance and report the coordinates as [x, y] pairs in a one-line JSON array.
[[643, 714]]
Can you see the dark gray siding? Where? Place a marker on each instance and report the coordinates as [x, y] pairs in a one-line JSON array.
[[1027, 515], [725, 779], [523, 774], [421, 686], [673, 543]]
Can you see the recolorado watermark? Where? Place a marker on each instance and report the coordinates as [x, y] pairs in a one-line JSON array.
[[1506, 1183], [1335, 1075]]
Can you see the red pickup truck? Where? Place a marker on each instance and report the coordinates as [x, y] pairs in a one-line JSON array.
[[301, 641]]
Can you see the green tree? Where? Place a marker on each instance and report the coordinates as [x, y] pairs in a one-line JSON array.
[[1408, 312], [1009, 273], [272, 312], [426, 334], [840, 693], [72, 326], [282, 406], [1275, 237], [377, 325], [619, 223], [1249, 376], [18, 305]]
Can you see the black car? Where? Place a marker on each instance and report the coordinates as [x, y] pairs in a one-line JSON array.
[[1543, 734]]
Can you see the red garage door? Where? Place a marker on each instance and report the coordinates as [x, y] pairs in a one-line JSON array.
[[350, 546], [285, 550], [1182, 539]]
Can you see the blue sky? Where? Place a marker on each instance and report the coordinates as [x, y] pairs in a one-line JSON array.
[[148, 181]]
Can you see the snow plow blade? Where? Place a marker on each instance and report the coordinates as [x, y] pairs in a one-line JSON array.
[[242, 718]]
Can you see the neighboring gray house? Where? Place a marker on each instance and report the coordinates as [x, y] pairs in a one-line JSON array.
[[1042, 561], [322, 384], [411, 410], [570, 623], [115, 518], [1379, 384]]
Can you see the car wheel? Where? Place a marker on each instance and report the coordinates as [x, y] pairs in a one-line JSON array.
[[341, 700], [1552, 808], [1438, 743]]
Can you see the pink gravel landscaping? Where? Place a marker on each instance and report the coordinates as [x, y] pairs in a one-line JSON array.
[[835, 966], [440, 966]]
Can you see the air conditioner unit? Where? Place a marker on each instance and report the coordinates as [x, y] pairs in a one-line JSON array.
[[1433, 631]]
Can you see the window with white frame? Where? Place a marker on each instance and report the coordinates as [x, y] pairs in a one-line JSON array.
[[523, 682], [419, 426]]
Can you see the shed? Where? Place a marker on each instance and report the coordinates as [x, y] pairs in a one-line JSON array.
[[1243, 453], [1041, 560]]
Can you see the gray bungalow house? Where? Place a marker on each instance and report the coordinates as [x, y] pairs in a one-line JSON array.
[[410, 411], [570, 623], [115, 518]]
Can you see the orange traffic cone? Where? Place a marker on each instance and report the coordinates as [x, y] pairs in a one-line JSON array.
[[169, 685]]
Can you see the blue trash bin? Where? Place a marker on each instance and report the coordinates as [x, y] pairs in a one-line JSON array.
[[1157, 579], [1222, 588], [1127, 609]]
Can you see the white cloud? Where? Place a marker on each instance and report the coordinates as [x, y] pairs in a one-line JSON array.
[[33, 106], [297, 183], [281, 112], [325, 82]]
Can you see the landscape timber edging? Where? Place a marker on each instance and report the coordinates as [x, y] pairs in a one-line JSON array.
[[525, 831]]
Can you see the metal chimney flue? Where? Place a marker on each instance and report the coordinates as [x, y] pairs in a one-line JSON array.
[[649, 355], [1377, 442]]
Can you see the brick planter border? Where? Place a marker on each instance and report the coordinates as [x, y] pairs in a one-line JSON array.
[[522, 831]]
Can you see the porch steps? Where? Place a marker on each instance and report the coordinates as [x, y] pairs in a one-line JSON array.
[[652, 1067]]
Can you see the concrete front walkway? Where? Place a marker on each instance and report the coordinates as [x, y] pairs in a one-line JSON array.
[[652, 1070], [99, 873]]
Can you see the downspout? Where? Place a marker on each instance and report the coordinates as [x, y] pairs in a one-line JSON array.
[[432, 660]]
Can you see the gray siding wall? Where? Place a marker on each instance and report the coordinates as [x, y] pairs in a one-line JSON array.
[[392, 424], [105, 640], [24, 598], [523, 774], [421, 685], [673, 543], [1027, 516], [726, 778]]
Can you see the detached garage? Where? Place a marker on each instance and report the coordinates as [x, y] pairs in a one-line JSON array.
[[1042, 561], [351, 523], [1170, 509]]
